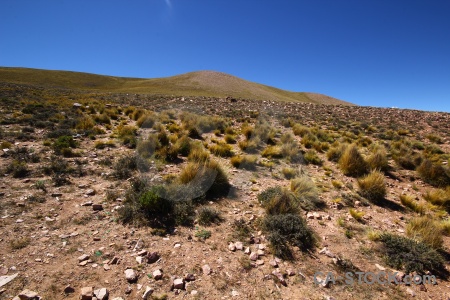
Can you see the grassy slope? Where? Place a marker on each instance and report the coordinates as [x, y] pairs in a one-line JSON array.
[[203, 83]]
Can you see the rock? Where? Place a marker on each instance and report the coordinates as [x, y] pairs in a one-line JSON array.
[[101, 294], [247, 250], [260, 262], [90, 192], [280, 277], [130, 275], [423, 288], [97, 207], [157, 274], [317, 216], [273, 263], [253, 256], [232, 247], [152, 257], [77, 105], [290, 272], [89, 203], [147, 293], [411, 292], [239, 245], [206, 269], [260, 252], [139, 259], [54, 195], [28, 295], [69, 290], [310, 216], [106, 267], [83, 257], [118, 298], [114, 261], [87, 293], [178, 284], [189, 277], [381, 268], [234, 293]]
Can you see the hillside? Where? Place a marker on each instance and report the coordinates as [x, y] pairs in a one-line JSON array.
[[202, 83]]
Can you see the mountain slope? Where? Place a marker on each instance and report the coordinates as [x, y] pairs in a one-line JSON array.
[[201, 83]]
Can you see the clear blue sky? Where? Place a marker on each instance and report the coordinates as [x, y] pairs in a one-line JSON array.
[[370, 52]]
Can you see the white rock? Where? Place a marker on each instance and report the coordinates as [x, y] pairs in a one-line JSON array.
[[130, 275], [147, 293]]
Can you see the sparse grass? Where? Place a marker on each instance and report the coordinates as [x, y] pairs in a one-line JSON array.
[[221, 149], [18, 169], [426, 230], [230, 139], [289, 173], [306, 193], [241, 230], [203, 234], [282, 203], [19, 243], [373, 187], [337, 184], [335, 152], [378, 161], [272, 152], [198, 154], [434, 174], [357, 215], [103, 145], [249, 146], [247, 162], [311, 157], [352, 163], [438, 197], [411, 203]]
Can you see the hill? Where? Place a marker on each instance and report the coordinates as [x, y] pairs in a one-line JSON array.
[[202, 83]]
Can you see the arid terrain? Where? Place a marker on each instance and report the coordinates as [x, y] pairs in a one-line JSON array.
[[203, 197]]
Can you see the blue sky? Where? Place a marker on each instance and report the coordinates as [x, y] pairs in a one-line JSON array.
[[378, 53]]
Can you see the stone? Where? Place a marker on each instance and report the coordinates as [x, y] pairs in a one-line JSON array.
[[178, 284], [247, 250], [234, 293], [130, 275], [87, 293], [411, 292], [28, 295], [90, 192], [280, 277], [317, 216], [381, 268], [97, 207], [77, 105], [253, 256], [273, 263], [189, 277], [118, 298], [69, 290], [157, 274], [260, 252], [239, 245], [152, 257], [310, 216], [89, 203], [148, 292], [101, 294], [290, 272], [206, 270], [139, 259], [232, 247], [260, 262]]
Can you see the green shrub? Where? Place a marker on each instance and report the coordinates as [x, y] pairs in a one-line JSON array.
[[63, 143], [268, 194], [18, 169], [306, 193], [184, 213], [426, 230], [208, 216], [410, 255], [373, 186], [125, 166], [352, 163], [285, 230]]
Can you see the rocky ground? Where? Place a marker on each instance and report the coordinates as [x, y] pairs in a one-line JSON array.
[[67, 242]]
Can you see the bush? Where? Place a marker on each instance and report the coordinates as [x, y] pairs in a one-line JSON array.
[[127, 164], [426, 230], [335, 153], [352, 163], [183, 145], [285, 230], [18, 169], [434, 174], [306, 193], [63, 144], [289, 173], [230, 139], [184, 213], [249, 146], [373, 186], [198, 154], [268, 194], [357, 215], [247, 162], [410, 255], [208, 216], [300, 130]]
